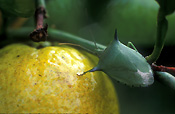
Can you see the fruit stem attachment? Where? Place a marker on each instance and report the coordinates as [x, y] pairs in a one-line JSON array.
[[55, 35], [40, 33]]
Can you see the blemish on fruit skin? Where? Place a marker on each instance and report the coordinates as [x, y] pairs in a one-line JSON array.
[[70, 86], [52, 63], [63, 57]]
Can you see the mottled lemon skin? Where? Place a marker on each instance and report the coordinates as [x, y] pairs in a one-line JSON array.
[[45, 81]]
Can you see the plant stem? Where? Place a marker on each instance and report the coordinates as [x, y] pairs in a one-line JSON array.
[[162, 27], [63, 36], [161, 68], [41, 3], [57, 35], [40, 33]]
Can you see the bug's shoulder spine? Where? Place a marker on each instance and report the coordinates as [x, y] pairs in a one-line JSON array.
[[115, 35]]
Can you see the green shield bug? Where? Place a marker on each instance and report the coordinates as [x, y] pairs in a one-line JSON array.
[[124, 64]]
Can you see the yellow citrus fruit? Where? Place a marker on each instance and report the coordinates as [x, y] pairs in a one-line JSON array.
[[45, 81]]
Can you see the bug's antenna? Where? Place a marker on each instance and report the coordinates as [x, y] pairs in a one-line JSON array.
[[115, 35], [93, 39], [95, 43]]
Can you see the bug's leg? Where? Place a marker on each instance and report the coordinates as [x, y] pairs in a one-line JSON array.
[[98, 51], [131, 44]]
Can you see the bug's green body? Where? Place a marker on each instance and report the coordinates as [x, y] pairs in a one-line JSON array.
[[125, 65], [128, 66]]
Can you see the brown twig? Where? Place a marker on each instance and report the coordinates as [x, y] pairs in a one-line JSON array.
[[40, 33], [161, 68]]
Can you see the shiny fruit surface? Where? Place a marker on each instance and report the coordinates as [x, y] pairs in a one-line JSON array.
[[45, 81]]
